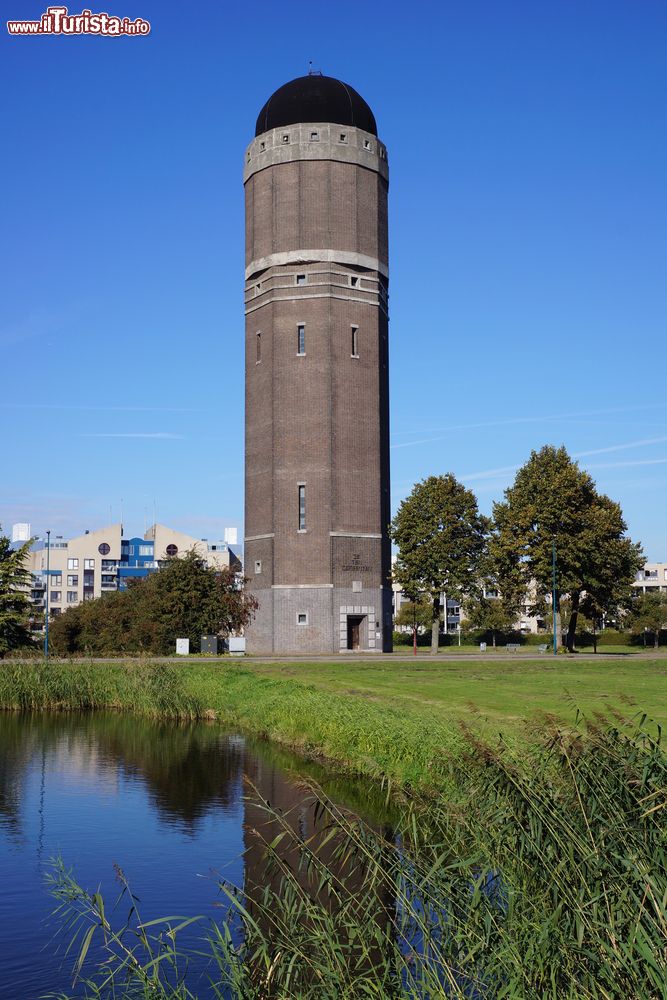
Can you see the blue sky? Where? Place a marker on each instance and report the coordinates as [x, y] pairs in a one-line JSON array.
[[528, 229]]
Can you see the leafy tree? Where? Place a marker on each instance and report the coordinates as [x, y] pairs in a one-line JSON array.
[[649, 613], [415, 613], [493, 614], [440, 536], [15, 608], [552, 498], [185, 599]]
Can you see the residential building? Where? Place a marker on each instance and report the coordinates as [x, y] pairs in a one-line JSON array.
[[98, 562], [651, 578]]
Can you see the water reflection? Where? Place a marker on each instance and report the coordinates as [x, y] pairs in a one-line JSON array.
[[167, 802]]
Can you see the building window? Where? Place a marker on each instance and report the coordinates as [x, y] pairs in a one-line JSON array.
[[145, 550], [262, 146], [104, 549], [285, 137], [302, 618], [72, 596], [258, 566], [258, 342], [354, 281], [302, 507], [314, 136], [89, 564], [355, 341], [72, 563], [56, 579], [172, 550], [367, 144], [300, 279], [300, 339], [343, 137], [56, 596], [73, 580]]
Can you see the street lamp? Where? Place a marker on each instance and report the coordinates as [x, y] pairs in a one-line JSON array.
[[414, 626], [554, 614], [48, 584]]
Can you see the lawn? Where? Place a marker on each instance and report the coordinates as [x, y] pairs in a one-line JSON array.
[[501, 694], [403, 720]]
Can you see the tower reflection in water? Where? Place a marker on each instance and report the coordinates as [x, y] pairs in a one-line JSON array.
[[167, 802]]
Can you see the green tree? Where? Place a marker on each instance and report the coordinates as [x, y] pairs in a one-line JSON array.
[[415, 613], [493, 614], [15, 608], [649, 613], [440, 535], [552, 498], [185, 599]]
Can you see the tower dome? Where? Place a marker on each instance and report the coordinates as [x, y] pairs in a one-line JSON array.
[[316, 98]]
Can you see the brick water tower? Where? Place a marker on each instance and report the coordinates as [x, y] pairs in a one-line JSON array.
[[317, 552]]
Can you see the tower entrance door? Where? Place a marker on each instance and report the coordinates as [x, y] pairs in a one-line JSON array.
[[354, 631]]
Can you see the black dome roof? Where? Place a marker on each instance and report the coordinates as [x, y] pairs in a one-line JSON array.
[[315, 98]]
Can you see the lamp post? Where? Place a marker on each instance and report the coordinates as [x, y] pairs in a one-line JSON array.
[[48, 584], [554, 612], [414, 626]]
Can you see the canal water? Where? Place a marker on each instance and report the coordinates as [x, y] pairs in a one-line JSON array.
[[168, 803]]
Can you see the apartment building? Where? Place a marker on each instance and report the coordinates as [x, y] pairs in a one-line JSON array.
[[652, 578], [98, 562]]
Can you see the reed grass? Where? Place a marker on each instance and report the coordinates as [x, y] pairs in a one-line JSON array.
[[154, 690], [549, 883]]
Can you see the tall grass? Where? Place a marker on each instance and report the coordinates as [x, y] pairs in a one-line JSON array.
[[548, 882], [151, 689]]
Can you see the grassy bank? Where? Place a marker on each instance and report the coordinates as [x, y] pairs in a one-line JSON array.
[[538, 871], [549, 883], [401, 721]]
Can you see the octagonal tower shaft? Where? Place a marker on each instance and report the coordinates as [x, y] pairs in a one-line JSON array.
[[317, 511]]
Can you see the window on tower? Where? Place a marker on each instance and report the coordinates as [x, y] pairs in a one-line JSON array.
[[300, 339], [301, 279], [302, 507], [258, 342], [355, 341]]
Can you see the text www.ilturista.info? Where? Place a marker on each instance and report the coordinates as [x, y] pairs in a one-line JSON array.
[[57, 21]]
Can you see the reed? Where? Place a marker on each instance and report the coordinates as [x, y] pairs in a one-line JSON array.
[[150, 689], [545, 881]]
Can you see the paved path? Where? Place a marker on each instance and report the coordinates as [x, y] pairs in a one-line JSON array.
[[402, 657]]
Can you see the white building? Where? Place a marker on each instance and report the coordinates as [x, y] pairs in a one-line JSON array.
[[651, 579]]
